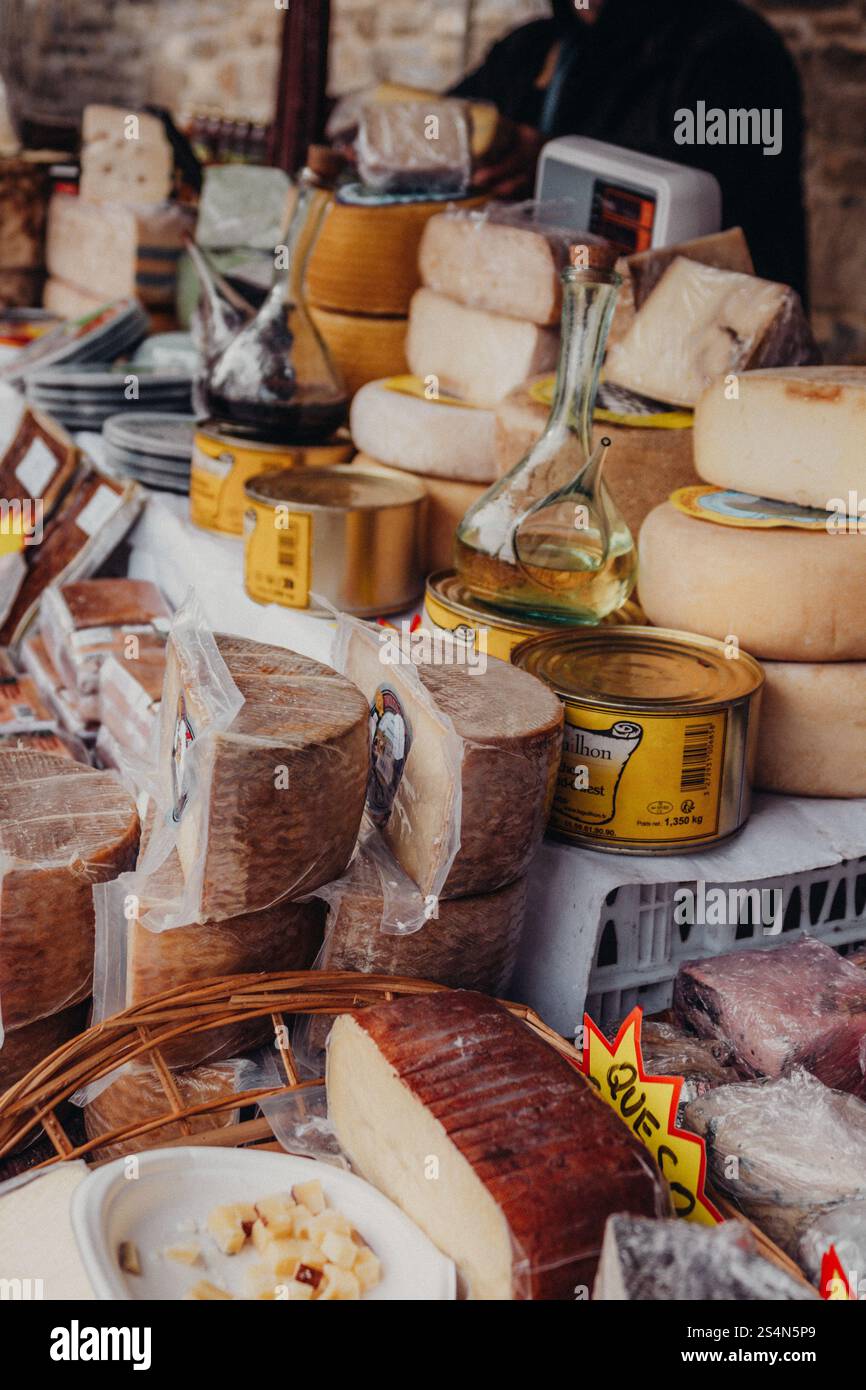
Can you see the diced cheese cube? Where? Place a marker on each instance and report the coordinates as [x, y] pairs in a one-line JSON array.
[[310, 1195], [318, 1226], [367, 1269], [338, 1284], [206, 1292], [231, 1225], [340, 1250], [278, 1214], [189, 1254], [297, 1292]]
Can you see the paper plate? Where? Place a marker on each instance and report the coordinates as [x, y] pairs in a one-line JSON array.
[[163, 1198]]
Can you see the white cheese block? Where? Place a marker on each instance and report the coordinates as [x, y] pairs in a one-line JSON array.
[[114, 168], [475, 355], [114, 252], [100, 122], [700, 323], [491, 265], [490, 1141], [795, 433], [421, 436], [37, 1243], [812, 740], [447, 504], [784, 594]]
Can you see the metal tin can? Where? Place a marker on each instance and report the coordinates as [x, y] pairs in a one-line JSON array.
[[224, 461], [660, 737], [349, 537], [449, 606]]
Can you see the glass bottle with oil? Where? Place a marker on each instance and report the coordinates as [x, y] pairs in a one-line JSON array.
[[547, 540]]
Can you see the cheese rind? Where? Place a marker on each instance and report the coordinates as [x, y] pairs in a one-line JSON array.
[[812, 740], [475, 355], [528, 1162], [797, 434], [784, 594], [491, 265], [439, 440], [138, 1094]]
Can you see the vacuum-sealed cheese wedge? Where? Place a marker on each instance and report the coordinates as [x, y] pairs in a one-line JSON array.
[[464, 758], [529, 1163], [23, 1048], [85, 621], [435, 438], [63, 828], [782, 593], [262, 770], [129, 697], [813, 729], [797, 434]]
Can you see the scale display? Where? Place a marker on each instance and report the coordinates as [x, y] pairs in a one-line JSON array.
[[622, 215]]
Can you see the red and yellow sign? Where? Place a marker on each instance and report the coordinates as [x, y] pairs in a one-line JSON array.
[[648, 1105], [834, 1284]]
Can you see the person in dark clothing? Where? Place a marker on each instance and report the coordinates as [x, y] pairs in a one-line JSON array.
[[624, 71]]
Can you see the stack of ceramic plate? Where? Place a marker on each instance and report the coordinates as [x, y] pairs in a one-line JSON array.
[[84, 394], [98, 337], [155, 449]]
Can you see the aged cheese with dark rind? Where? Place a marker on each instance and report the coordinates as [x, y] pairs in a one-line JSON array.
[[138, 1095], [529, 1162], [24, 1048], [812, 739], [279, 794], [63, 827], [727, 250], [85, 621]]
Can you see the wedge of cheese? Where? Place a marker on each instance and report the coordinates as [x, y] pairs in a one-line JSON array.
[[139, 1094], [784, 594], [488, 1139], [699, 324], [23, 1048], [431, 437], [795, 433], [472, 354], [37, 1242], [812, 739], [107, 250], [114, 168]]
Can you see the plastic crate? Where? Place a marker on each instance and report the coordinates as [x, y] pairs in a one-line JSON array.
[[640, 946]]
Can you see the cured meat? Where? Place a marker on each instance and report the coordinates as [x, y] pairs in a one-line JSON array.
[[464, 763], [138, 1095], [673, 1261], [263, 757], [86, 621], [529, 1162], [63, 827], [844, 1228], [791, 1006], [24, 1048], [783, 1150]]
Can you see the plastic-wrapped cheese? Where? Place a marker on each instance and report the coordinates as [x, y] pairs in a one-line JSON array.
[[63, 828], [129, 697], [84, 622], [263, 765], [421, 436], [477, 356], [23, 1048], [138, 1094], [415, 146], [813, 729], [784, 594], [529, 1162], [795, 433], [464, 761]]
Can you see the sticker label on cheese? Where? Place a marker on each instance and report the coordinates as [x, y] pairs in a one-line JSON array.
[[36, 469], [616, 406], [184, 735], [101, 507], [744, 509], [648, 1105], [390, 741], [654, 780]]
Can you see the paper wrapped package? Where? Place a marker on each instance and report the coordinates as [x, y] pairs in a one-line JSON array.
[[798, 1005], [63, 828]]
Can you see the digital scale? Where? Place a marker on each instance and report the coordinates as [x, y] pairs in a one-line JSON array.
[[636, 201]]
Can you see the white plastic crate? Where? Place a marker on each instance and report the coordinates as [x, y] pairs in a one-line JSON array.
[[640, 947]]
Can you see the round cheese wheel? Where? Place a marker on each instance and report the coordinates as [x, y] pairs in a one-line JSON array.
[[812, 739], [363, 348], [787, 595], [431, 437]]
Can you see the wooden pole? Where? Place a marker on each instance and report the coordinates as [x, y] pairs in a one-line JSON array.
[[302, 82]]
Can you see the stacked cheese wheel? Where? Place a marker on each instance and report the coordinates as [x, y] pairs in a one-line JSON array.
[[791, 597]]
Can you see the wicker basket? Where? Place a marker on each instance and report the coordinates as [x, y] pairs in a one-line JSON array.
[[139, 1032]]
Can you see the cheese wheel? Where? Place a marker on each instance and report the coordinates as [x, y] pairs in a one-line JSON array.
[[421, 436], [447, 504], [24, 1048], [797, 434], [490, 265], [139, 1095], [786, 595], [530, 1162], [364, 348], [475, 355], [643, 466], [812, 739]]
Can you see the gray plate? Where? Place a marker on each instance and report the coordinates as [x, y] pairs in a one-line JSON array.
[[161, 434]]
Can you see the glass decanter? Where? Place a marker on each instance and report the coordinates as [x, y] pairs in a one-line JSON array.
[[276, 377], [547, 540]]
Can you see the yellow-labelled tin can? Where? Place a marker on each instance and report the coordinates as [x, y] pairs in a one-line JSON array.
[[660, 736], [224, 461], [449, 606], [338, 534]]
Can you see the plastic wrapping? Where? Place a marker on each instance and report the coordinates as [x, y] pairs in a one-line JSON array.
[[22, 708], [262, 770], [783, 1150], [136, 1094], [672, 1261], [700, 323], [63, 828], [299, 1120], [484, 1136], [415, 147], [506, 257], [129, 698], [85, 622], [46, 741], [798, 1005], [464, 760], [242, 206], [131, 964], [667, 1051], [844, 1228], [24, 1048]]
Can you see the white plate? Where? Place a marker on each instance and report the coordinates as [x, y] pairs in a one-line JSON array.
[[154, 1199]]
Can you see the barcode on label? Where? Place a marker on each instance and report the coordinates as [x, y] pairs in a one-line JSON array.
[[287, 558], [697, 757]]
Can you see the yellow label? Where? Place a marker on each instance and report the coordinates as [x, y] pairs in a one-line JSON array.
[[542, 392], [648, 1105], [278, 555], [653, 779], [216, 485], [11, 539], [496, 641], [414, 386]]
